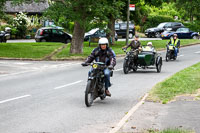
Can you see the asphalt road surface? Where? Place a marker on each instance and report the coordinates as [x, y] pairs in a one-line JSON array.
[[49, 96]]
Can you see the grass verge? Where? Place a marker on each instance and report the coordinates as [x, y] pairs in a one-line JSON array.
[[158, 44], [183, 82], [27, 50], [176, 130]]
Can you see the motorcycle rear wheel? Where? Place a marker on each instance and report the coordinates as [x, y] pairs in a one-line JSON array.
[[89, 94]]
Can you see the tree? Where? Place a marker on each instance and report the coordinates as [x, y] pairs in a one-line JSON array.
[[191, 8]]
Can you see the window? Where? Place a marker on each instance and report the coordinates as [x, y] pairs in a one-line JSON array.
[[54, 31]]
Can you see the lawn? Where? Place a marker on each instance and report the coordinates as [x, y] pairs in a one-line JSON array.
[[158, 44], [169, 130], [183, 82], [40, 50], [27, 50]]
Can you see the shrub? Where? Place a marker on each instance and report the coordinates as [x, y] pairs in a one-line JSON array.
[[194, 26], [138, 28]]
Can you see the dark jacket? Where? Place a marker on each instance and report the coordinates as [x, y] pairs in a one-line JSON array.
[[134, 45], [107, 56]]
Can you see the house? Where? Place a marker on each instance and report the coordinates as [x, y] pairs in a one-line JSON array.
[[31, 8]]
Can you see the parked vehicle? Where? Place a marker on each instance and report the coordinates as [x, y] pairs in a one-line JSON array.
[[52, 34], [183, 33], [5, 35], [96, 33], [170, 52], [146, 59], [120, 29], [156, 31], [96, 84]]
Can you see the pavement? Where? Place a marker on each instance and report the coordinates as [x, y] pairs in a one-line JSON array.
[[48, 96], [179, 114]]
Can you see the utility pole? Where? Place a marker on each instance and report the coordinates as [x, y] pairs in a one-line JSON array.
[[127, 27]]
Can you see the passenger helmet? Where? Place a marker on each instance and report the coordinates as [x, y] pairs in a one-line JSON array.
[[103, 41], [149, 44]]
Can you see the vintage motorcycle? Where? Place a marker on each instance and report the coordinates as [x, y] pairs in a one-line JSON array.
[[129, 62], [5, 35], [170, 52], [96, 83]]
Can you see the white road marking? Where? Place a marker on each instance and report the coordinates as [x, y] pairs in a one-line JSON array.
[[118, 69], [12, 74], [198, 52], [70, 84], [16, 98], [180, 55], [128, 115]]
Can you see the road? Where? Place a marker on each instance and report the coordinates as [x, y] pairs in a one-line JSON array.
[[49, 96]]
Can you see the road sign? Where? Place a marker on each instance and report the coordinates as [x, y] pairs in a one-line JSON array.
[[132, 7]]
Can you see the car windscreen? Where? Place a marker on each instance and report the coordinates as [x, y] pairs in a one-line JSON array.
[[92, 31], [161, 25]]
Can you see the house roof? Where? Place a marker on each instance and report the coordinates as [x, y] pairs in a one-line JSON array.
[[32, 7]]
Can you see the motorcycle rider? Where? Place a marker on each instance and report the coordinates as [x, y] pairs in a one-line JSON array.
[[176, 42], [103, 54], [135, 45]]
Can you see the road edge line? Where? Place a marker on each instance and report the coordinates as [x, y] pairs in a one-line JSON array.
[[128, 115]]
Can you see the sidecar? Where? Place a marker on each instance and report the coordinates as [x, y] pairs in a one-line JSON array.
[[148, 58]]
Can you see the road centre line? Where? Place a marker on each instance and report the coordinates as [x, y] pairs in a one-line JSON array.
[[128, 115], [180, 55], [118, 69], [70, 84], [16, 98]]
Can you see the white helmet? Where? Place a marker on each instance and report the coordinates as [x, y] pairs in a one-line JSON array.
[[103, 41], [149, 44]]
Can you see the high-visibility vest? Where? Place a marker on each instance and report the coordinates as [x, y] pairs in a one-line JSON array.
[[172, 41]]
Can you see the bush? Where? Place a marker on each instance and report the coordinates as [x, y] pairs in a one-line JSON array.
[[194, 26], [154, 20], [138, 28]]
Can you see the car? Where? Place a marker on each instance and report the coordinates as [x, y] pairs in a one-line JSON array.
[[52, 34], [120, 29], [96, 33], [183, 33], [156, 31]]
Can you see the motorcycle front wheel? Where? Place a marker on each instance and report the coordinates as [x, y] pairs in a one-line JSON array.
[[89, 94], [125, 67]]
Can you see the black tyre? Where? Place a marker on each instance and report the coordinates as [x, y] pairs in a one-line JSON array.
[[157, 34], [195, 37], [43, 40], [89, 94], [167, 58], [130, 35], [67, 41], [159, 64], [125, 67]]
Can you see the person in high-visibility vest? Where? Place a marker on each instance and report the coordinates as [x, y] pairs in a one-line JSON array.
[[176, 42]]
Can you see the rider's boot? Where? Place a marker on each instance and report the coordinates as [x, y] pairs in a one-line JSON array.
[[108, 92]]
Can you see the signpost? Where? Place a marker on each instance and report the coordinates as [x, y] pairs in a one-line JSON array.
[[131, 7]]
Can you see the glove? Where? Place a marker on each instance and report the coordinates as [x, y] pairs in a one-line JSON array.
[[110, 67], [84, 64]]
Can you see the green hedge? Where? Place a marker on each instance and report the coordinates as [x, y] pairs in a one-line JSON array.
[[194, 26]]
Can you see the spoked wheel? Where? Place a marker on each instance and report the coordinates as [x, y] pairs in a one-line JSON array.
[[159, 65], [125, 67], [89, 94], [167, 57]]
